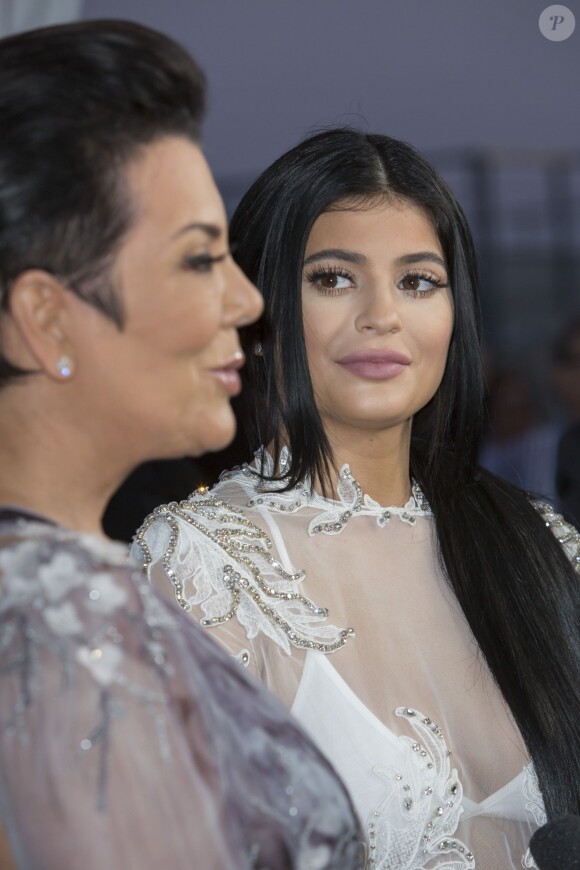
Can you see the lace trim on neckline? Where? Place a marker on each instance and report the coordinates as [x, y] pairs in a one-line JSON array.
[[335, 514]]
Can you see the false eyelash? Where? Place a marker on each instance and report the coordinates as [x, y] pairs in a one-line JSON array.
[[425, 276], [321, 271]]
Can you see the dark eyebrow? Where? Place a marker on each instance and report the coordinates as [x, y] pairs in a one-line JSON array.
[[361, 260], [336, 254], [420, 257], [211, 230]]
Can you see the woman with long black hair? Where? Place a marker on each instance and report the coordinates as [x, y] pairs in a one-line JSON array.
[[364, 562]]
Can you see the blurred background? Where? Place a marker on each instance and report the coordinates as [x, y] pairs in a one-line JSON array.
[[483, 93]]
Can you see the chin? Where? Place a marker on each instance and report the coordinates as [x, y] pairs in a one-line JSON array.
[[215, 434]]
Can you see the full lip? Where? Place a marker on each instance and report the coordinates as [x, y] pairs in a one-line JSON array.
[[226, 372], [375, 365]]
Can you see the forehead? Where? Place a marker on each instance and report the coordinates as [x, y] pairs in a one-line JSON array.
[[395, 225], [170, 186]]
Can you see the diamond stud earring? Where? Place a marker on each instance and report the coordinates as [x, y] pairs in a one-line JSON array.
[[64, 366]]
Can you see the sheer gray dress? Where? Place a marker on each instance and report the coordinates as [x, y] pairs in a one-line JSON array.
[[128, 739]]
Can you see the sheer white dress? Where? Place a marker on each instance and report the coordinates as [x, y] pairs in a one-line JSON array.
[[340, 607], [130, 741]]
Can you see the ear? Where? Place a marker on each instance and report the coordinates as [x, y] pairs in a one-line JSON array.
[[39, 308]]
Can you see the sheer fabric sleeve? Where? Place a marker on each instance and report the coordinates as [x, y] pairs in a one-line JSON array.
[[128, 739], [219, 565], [104, 760]]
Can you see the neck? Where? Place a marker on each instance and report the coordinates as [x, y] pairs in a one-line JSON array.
[[378, 460], [55, 468]]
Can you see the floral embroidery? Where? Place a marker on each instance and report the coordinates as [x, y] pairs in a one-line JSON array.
[[334, 515], [56, 584], [428, 795], [63, 619], [353, 502], [103, 662]]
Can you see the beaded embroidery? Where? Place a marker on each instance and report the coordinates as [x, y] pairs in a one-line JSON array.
[[429, 796], [334, 515], [252, 585], [566, 534]]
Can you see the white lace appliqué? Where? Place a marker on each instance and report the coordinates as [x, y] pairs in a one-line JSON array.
[[534, 806], [215, 557], [334, 515], [428, 794]]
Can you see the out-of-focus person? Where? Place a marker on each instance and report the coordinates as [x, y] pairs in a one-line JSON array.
[[128, 739]]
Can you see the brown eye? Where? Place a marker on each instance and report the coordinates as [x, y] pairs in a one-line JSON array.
[[329, 282], [411, 282], [417, 284]]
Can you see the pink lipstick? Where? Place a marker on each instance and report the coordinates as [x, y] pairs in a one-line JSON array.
[[375, 365], [227, 373]]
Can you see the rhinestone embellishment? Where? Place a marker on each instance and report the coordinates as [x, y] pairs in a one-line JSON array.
[[429, 795], [244, 544], [353, 502], [566, 534]]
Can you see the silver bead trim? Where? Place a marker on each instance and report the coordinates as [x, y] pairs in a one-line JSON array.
[[567, 535], [237, 585]]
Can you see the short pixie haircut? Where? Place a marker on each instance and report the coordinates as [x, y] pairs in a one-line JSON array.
[[77, 102]]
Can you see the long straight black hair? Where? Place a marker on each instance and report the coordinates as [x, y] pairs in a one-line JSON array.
[[517, 588]]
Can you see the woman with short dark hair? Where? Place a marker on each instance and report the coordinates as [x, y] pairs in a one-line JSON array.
[[366, 510], [128, 739]]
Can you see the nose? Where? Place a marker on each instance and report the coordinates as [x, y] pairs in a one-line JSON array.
[[379, 311], [243, 303]]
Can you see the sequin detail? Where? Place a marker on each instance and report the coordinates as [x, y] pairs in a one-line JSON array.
[[566, 534], [429, 795], [251, 573]]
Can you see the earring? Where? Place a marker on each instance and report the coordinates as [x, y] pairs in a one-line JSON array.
[[258, 348], [65, 366]]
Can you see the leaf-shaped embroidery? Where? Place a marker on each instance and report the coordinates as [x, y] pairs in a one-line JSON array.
[[429, 795], [217, 558]]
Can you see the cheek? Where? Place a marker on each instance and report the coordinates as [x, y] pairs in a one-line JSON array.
[[322, 328], [188, 331], [435, 335]]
